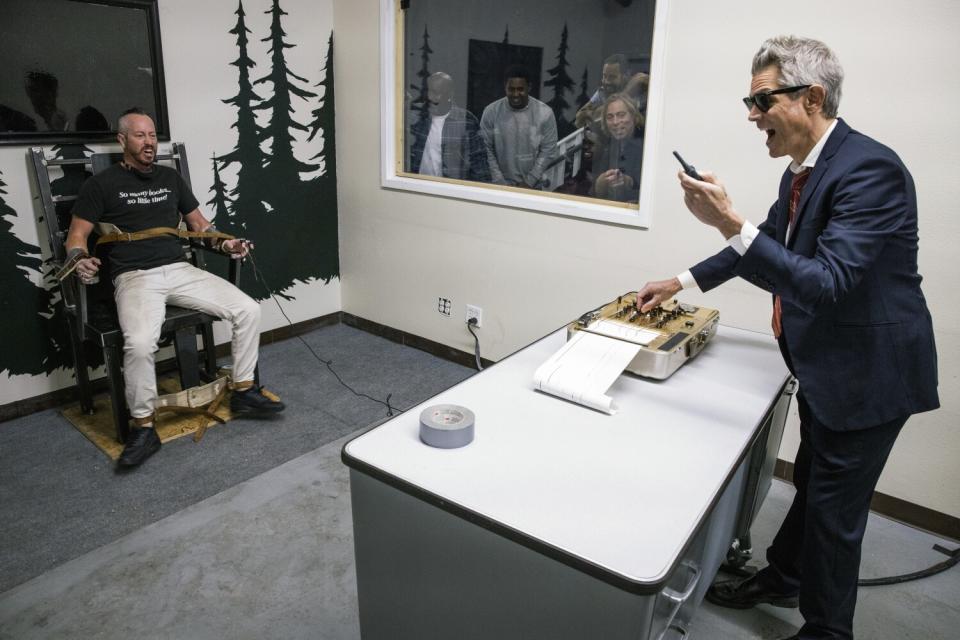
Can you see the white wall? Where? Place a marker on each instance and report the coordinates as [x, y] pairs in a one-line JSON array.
[[197, 52], [531, 272]]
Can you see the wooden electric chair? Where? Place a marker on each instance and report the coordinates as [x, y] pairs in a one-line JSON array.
[[90, 309]]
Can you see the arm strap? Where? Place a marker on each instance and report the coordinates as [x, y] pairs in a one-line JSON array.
[[110, 233]]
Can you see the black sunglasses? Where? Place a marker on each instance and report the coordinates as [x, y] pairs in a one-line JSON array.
[[762, 99]]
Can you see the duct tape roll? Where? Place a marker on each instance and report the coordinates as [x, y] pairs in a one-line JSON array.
[[446, 426]]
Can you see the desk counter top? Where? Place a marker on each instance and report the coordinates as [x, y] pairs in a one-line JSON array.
[[623, 493]]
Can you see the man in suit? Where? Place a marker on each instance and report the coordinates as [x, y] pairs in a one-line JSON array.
[[838, 251], [448, 142]]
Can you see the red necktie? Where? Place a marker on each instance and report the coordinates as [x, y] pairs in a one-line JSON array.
[[796, 186]]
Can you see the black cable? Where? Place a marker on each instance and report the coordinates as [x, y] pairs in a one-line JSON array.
[[743, 571], [471, 323], [916, 575], [327, 363]]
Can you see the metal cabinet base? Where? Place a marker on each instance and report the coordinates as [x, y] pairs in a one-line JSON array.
[[424, 573]]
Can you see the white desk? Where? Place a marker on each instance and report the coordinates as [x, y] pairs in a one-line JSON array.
[[553, 503]]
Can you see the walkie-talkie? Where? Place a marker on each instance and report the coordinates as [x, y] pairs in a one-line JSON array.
[[688, 169]]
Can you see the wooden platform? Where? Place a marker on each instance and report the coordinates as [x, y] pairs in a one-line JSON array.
[[99, 429]]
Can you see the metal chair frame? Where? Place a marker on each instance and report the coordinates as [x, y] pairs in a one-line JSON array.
[[181, 326]]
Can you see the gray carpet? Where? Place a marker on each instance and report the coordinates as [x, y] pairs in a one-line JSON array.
[[273, 558], [60, 497]]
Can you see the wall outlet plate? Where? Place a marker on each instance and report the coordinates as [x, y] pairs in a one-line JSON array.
[[474, 311], [444, 306]]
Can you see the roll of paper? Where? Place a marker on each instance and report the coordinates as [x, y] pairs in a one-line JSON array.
[[584, 368]]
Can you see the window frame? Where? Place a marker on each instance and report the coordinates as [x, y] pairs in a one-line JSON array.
[[393, 176], [151, 14]]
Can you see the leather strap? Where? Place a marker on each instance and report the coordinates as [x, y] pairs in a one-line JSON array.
[[203, 400], [110, 233], [211, 411], [70, 265]]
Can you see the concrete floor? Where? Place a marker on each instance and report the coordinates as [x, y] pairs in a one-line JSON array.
[[273, 558]]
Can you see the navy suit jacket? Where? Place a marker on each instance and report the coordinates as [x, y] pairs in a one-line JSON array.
[[856, 329]]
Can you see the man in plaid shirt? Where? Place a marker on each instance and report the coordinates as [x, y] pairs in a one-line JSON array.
[[448, 143]]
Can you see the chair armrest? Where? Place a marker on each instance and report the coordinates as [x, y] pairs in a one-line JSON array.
[[233, 271], [73, 293]]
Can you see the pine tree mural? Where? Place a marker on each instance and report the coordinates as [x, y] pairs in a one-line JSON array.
[[323, 115], [25, 333], [292, 220], [223, 216], [282, 169], [506, 34], [326, 254], [220, 202], [247, 196], [420, 104], [584, 97], [561, 83]]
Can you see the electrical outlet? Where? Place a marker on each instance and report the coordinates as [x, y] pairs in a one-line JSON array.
[[474, 311], [444, 306]]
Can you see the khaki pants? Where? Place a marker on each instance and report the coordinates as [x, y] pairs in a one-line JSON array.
[[142, 297]]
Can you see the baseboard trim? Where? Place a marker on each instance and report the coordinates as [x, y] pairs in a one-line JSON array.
[[438, 349], [298, 328], [935, 522]]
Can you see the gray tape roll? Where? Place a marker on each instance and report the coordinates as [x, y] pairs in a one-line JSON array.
[[446, 426]]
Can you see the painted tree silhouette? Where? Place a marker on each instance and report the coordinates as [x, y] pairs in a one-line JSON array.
[[23, 302], [561, 83], [326, 254], [584, 97], [506, 34], [291, 219], [223, 217], [220, 202], [282, 169], [421, 105], [323, 114], [247, 196]]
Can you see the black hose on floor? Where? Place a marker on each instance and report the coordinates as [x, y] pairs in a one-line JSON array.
[[940, 567]]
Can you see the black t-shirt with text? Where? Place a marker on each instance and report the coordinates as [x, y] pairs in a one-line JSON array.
[[134, 201]]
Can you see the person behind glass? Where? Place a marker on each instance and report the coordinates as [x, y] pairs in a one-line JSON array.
[[520, 133], [614, 78], [838, 251], [42, 89], [135, 195], [448, 143], [617, 160]]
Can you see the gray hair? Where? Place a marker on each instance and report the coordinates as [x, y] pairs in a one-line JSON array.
[[803, 61], [123, 123]]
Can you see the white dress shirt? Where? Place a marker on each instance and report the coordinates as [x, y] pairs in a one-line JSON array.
[[432, 162]]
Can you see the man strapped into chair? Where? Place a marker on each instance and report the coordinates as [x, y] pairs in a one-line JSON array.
[[136, 206]]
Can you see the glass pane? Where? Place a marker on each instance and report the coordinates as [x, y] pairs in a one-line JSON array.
[[543, 96], [69, 69]]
